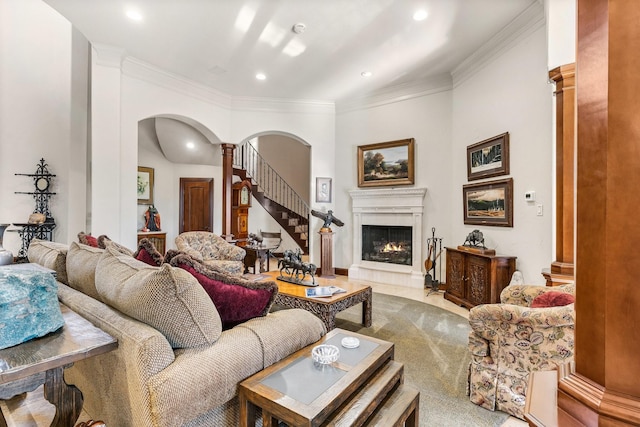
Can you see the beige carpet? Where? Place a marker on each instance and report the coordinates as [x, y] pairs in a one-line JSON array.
[[432, 344]]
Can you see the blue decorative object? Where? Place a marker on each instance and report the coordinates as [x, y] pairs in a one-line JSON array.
[[29, 306]]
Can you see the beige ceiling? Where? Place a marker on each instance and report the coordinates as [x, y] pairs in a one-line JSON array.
[[224, 43]]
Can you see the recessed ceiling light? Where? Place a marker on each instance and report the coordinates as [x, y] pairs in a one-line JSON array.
[[299, 28], [191, 145], [366, 74], [261, 76], [420, 15], [134, 15]]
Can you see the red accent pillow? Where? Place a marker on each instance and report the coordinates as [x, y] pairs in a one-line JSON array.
[[552, 299], [87, 239], [237, 300], [148, 253]]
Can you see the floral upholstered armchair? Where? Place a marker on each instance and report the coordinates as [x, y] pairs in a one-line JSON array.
[[511, 339], [212, 250]]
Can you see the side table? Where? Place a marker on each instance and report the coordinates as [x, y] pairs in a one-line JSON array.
[[26, 366]]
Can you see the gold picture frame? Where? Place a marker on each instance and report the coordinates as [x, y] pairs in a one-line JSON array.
[[489, 203], [145, 185], [386, 163]]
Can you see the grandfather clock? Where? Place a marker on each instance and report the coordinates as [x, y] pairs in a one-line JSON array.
[[240, 204]]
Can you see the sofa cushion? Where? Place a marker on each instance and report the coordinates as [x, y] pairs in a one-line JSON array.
[[51, 255], [552, 299], [81, 268], [236, 299], [87, 239], [148, 253], [167, 298]]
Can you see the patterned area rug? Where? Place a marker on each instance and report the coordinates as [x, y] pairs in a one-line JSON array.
[[432, 345]]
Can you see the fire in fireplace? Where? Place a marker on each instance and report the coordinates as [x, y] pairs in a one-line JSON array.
[[390, 244]]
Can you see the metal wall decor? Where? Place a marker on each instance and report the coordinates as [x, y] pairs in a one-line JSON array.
[[42, 194]]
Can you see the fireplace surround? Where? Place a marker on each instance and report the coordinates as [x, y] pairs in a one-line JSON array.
[[393, 208]]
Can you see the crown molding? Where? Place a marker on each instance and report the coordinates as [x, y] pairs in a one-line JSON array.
[[530, 20], [108, 56], [397, 93], [281, 105]]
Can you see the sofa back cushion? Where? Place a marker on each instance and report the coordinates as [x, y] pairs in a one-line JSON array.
[[81, 268], [51, 255], [166, 298]]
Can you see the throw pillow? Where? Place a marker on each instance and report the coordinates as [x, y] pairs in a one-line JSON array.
[[166, 298], [51, 255], [87, 239], [237, 300], [102, 241], [148, 253], [81, 268], [552, 299]]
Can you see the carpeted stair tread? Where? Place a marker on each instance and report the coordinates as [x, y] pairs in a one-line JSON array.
[[397, 408], [363, 403]]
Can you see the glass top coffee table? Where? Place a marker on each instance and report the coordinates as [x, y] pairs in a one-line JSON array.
[[359, 384]]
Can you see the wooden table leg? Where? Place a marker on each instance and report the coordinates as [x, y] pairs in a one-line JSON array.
[[247, 412], [367, 307], [66, 398], [268, 420], [3, 422]]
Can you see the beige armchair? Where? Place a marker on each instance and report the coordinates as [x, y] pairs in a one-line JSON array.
[[509, 340], [212, 250]]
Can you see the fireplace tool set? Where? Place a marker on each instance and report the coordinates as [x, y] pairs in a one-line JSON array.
[[435, 250]]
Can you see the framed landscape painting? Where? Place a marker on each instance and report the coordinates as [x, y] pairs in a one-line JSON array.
[[488, 158], [386, 163], [489, 203], [145, 185]]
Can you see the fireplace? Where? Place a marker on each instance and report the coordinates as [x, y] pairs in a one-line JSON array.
[[384, 243], [390, 218]]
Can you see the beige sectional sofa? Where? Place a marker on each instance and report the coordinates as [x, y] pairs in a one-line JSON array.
[[174, 365]]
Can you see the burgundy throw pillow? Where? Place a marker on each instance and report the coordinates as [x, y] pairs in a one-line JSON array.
[[148, 253], [87, 239], [552, 299], [237, 300]]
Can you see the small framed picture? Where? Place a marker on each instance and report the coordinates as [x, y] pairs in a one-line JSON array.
[[488, 158], [323, 190], [489, 203], [145, 185]]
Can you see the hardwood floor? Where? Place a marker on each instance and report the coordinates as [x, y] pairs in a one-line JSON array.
[[34, 411]]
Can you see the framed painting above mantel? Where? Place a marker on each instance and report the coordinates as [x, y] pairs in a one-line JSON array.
[[488, 158], [386, 163]]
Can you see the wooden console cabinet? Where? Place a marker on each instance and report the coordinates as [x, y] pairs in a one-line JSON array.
[[475, 278], [158, 238]]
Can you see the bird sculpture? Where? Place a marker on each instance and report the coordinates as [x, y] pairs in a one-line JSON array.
[[328, 219]]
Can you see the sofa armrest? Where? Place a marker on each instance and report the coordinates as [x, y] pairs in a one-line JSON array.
[[524, 295]]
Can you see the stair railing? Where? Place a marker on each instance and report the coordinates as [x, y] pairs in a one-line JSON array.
[[273, 186]]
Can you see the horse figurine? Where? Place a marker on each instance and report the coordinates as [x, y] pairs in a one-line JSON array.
[[291, 263]]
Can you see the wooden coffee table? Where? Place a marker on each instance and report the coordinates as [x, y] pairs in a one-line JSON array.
[[364, 387], [293, 296]]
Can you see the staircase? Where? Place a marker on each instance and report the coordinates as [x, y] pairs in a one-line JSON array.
[[273, 193]]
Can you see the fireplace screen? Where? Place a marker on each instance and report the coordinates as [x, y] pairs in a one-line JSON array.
[[391, 244]]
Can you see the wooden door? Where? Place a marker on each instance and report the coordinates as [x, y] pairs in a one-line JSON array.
[[196, 204], [478, 277], [455, 273]]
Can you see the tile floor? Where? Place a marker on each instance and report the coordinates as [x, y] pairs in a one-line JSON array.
[[34, 411]]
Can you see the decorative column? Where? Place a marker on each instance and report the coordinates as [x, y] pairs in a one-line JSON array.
[[326, 253], [562, 269], [227, 180], [604, 389]]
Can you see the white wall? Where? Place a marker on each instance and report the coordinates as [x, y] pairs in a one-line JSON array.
[[510, 94], [427, 119], [43, 104]]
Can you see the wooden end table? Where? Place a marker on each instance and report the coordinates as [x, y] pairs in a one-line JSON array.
[[26, 366], [291, 295], [364, 387]]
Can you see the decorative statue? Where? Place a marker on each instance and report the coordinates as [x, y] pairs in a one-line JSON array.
[[475, 239], [152, 219], [328, 219]]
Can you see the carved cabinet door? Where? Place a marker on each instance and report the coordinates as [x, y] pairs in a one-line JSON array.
[[455, 273], [478, 280]]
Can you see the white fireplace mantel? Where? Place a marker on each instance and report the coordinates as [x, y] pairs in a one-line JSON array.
[[388, 206]]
